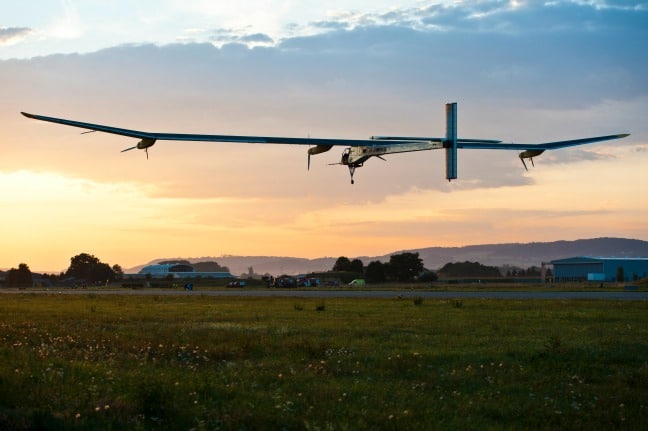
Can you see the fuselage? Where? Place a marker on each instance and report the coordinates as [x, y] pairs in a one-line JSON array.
[[358, 155]]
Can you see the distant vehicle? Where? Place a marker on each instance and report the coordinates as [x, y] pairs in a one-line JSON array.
[[358, 282], [285, 281], [236, 283], [307, 282]]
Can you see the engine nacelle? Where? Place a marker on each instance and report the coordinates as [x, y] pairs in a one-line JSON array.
[[318, 149], [145, 143], [529, 154]]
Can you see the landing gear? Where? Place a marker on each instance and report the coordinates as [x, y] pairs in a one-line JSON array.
[[351, 172], [351, 164]]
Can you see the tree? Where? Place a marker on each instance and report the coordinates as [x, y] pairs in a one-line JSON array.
[[119, 272], [473, 269], [375, 272], [405, 266], [428, 276], [342, 264], [87, 267], [21, 277], [356, 265]]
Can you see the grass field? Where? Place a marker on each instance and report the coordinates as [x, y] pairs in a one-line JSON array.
[[191, 362]]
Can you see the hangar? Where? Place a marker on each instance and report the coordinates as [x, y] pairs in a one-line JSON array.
[[600, 269], [178, 270]]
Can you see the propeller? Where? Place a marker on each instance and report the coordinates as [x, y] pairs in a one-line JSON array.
[[136, 147], [144, 144]]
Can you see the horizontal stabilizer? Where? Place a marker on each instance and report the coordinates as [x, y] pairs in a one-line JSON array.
[[428, 139]]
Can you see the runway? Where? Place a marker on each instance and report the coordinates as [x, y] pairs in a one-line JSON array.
[[621, 295]]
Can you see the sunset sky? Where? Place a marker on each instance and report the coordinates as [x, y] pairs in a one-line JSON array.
[[521, 71]]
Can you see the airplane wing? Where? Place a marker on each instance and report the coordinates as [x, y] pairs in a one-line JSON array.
[[154, 136], [362, 149], [474, 145], [428, 139]]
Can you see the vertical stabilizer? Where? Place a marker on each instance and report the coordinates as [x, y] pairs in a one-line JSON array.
[[450, 143]]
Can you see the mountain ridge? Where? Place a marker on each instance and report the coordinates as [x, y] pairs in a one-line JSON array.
[[522, 255]]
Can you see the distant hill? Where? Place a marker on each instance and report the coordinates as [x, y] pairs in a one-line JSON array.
[[533, 253], [522, 255]]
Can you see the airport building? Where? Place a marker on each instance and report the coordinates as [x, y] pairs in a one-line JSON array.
[[179, 270], [600, 269]]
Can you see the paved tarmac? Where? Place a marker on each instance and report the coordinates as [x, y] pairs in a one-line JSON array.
[[621, 295]]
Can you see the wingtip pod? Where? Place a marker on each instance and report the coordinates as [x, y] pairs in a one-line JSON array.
[[28, 115], [623, 135]]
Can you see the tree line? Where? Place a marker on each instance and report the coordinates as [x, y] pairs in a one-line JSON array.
[[409, 267], [84, 269], [401, 267]]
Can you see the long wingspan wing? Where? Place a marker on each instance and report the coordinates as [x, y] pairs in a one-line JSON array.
[[208, 138], [483, 144], [544, 146], [427, 139]]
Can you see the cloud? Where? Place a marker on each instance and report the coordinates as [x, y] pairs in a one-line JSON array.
[[256, 38], [529, 73], [225, 36], [486, 17], [351, 83], [12, 35], [495, 16]]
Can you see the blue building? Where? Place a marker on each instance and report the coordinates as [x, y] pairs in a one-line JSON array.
[[177, 270], [599, 268]]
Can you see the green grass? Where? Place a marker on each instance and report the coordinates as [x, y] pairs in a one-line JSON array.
[[192, 362]]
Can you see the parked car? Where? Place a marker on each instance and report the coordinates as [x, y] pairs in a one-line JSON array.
[[236, 283], [358, 282]]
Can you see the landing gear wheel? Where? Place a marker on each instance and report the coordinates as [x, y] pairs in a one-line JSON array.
[[351, 172]]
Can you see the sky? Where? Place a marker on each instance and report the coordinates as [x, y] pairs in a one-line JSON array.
[[520, 71]]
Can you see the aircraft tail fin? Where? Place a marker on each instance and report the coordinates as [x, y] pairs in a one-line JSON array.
[[450, 143]]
